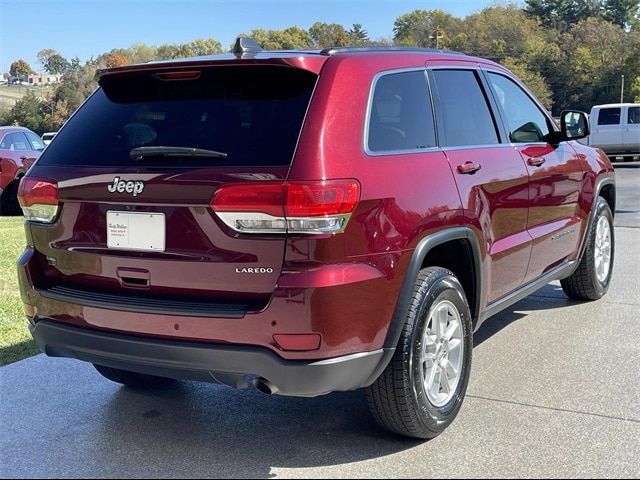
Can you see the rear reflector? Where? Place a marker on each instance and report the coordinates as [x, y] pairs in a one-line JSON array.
[[287, 207], [298, 342], [38, 198]]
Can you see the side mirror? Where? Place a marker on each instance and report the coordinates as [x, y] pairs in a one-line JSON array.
[[574, 125]]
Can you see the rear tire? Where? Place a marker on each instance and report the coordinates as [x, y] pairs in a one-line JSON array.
[[591, 281], [132, 379], [410, 397]]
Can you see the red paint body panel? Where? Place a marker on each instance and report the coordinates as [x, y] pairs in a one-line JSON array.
[[14, 163], [495, 201], [342, 287]]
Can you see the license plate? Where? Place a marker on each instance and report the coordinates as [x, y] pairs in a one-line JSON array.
[[136, 231]]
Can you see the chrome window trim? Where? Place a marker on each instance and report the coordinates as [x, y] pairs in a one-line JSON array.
[[374, 82]]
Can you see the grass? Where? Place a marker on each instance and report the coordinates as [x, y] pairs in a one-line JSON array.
[[15, 341]]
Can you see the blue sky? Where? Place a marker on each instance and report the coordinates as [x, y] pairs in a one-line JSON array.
[[90, 27]]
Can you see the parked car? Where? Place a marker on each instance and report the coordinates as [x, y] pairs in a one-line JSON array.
[[308, 222], [47, 137], [19, 148], [615, 128]]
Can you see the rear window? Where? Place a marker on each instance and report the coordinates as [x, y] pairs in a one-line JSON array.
[[609, 116], [253, 114]]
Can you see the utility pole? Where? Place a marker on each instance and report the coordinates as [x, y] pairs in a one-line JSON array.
[[437, 36], [622, 91]]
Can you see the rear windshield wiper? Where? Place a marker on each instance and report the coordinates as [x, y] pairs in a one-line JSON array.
[[140, 153]]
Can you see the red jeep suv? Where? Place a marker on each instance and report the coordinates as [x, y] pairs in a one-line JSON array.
[[308, 222]]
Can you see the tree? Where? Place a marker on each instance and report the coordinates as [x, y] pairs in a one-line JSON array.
[[116, 60], [561, 14], [635, 89], [621, 12], [56, 64], [28, 112], [287, 39], [201, 46], [329, 35], [44, 55], [20, 69], [420, 28], [357, 35]]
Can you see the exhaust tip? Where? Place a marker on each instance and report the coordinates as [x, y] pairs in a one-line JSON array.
[[265, 386]]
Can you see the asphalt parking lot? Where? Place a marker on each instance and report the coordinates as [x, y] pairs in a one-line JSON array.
[[555, 391]]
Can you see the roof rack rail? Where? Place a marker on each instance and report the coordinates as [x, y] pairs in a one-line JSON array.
[[335, 50]]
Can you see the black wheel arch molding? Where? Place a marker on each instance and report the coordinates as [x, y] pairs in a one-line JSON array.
[[424, 246]]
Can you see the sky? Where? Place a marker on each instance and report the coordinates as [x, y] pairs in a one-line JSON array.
[[86, 28]]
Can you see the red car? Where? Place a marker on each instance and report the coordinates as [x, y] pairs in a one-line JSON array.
[[309, 222], [19, 148]]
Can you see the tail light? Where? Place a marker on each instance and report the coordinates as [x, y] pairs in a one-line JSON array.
[[38, 198], [287, 207]]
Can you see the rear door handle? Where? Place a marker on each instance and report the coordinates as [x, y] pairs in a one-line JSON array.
[[469, 167], [536, 161]]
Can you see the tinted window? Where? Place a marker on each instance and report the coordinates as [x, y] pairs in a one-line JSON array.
[[14, 141], [634, 115], [401, 117], [525, 122], [609, 116], [465, 112], [254, 114], [35, 141]]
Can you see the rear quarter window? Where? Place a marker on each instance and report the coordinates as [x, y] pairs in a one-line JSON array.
[[253, 114]]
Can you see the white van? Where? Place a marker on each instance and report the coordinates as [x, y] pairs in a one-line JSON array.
[[615, 128]]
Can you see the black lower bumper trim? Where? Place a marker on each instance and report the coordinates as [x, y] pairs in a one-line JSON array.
[[141, 304], [211, 363]]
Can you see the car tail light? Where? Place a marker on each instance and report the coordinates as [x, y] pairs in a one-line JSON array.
[[38, 198], [287, 207]]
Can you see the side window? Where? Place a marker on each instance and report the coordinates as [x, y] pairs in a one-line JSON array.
[[609, 116], [634, 115], [525, 122], [467, 119], [401, 117], [35, 141]]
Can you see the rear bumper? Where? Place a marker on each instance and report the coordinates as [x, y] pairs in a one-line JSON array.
[[229, 365]]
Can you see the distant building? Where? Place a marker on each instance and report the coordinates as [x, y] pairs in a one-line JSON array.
[[37, 79]]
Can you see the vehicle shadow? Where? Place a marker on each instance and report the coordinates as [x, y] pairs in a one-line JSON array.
[[549, 297], [199, 430]]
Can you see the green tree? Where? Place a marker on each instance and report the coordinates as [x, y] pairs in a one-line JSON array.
[[420, 27], [44, 55], [635, 90], [326, 35], [56, 64], [201, 46], [287, 39], [357, 35], [621, 12], [561, 14], [20, 69], [29, 112]]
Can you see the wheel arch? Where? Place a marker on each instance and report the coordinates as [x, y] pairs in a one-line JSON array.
[[461, 240]]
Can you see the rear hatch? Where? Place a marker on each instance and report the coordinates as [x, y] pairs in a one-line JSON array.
[[135, 224]]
